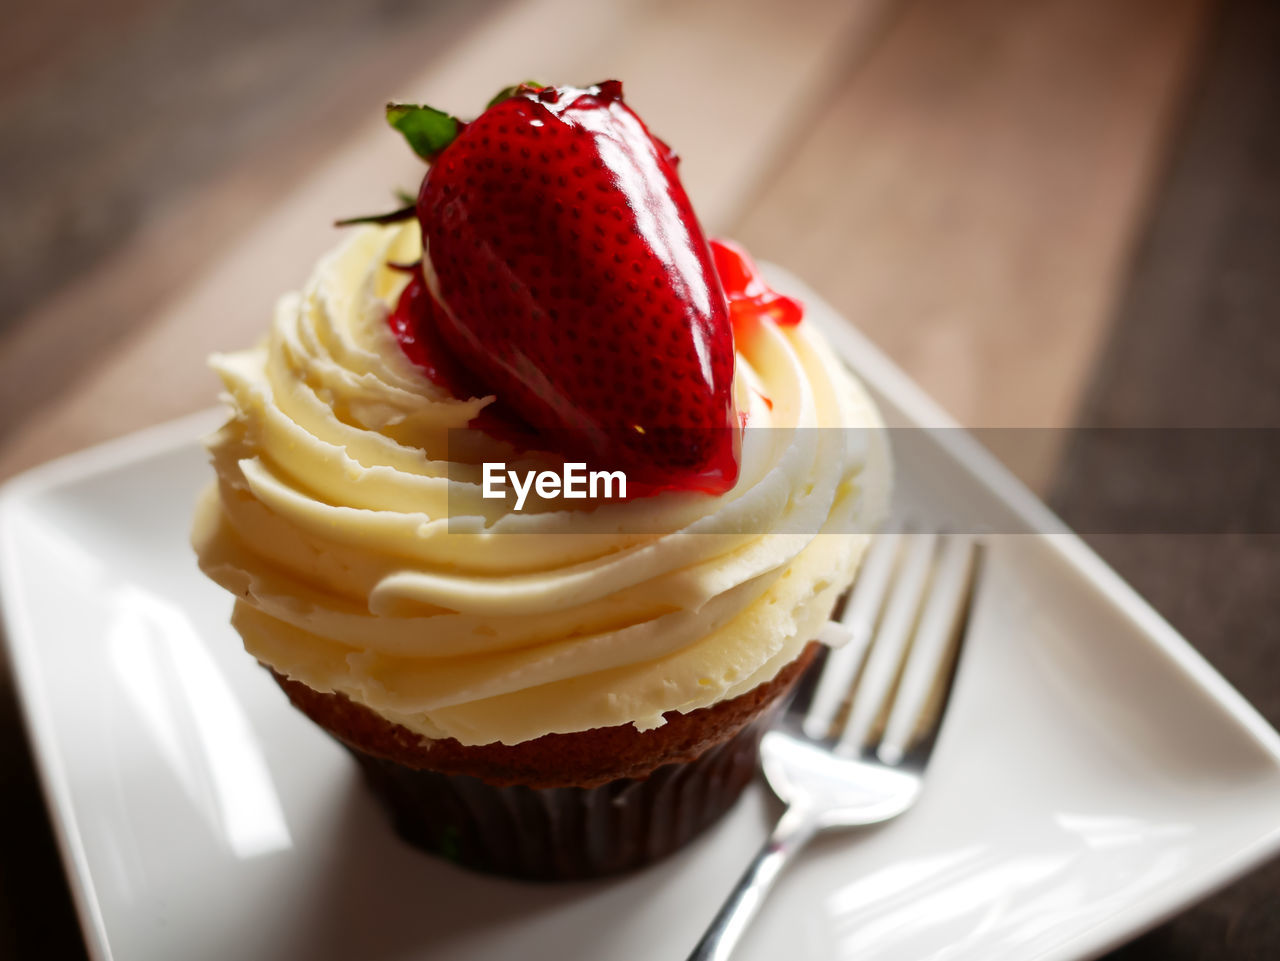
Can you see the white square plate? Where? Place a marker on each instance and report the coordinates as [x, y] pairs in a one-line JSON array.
[[1094, 777]]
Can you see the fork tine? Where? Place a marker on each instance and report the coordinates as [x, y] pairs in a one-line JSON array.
[[889, 645], [914, 717], [859, 618]]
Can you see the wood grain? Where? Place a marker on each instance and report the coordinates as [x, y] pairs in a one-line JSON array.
[[1198, 344], [139, 103], [969, 197], [109, 167]]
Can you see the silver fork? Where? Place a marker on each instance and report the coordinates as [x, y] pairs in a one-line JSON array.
[[849, 761]]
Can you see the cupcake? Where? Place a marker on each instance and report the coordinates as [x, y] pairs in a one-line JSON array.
[[535, 499]]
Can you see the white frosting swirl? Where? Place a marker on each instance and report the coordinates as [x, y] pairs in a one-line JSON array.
[[364, 561]]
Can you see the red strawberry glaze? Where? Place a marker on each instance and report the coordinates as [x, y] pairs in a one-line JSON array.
[[746, 290], [580, 288], [415, 324]]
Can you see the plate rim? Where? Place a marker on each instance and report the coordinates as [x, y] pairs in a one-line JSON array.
[[887, 382], [16, 493]]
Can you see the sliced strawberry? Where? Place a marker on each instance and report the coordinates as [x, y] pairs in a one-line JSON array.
[[576, 284], [748, 294]]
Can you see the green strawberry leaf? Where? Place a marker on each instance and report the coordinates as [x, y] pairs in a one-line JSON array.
[[428, 130], [407, 198], [506, 93], [395, 216]]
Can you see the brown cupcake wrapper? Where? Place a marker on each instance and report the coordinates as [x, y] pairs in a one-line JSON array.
[[565, 833]]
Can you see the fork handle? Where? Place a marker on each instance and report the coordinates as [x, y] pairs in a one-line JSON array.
[[793, 830]]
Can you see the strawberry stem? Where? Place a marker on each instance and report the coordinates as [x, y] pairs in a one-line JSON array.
[[506, 93], [394, 217], [427, 129]]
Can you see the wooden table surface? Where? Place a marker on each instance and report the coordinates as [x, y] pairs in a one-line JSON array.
[[1049, 212]]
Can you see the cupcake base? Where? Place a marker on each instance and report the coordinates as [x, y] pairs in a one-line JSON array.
[[563, 806], [565, 833]]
